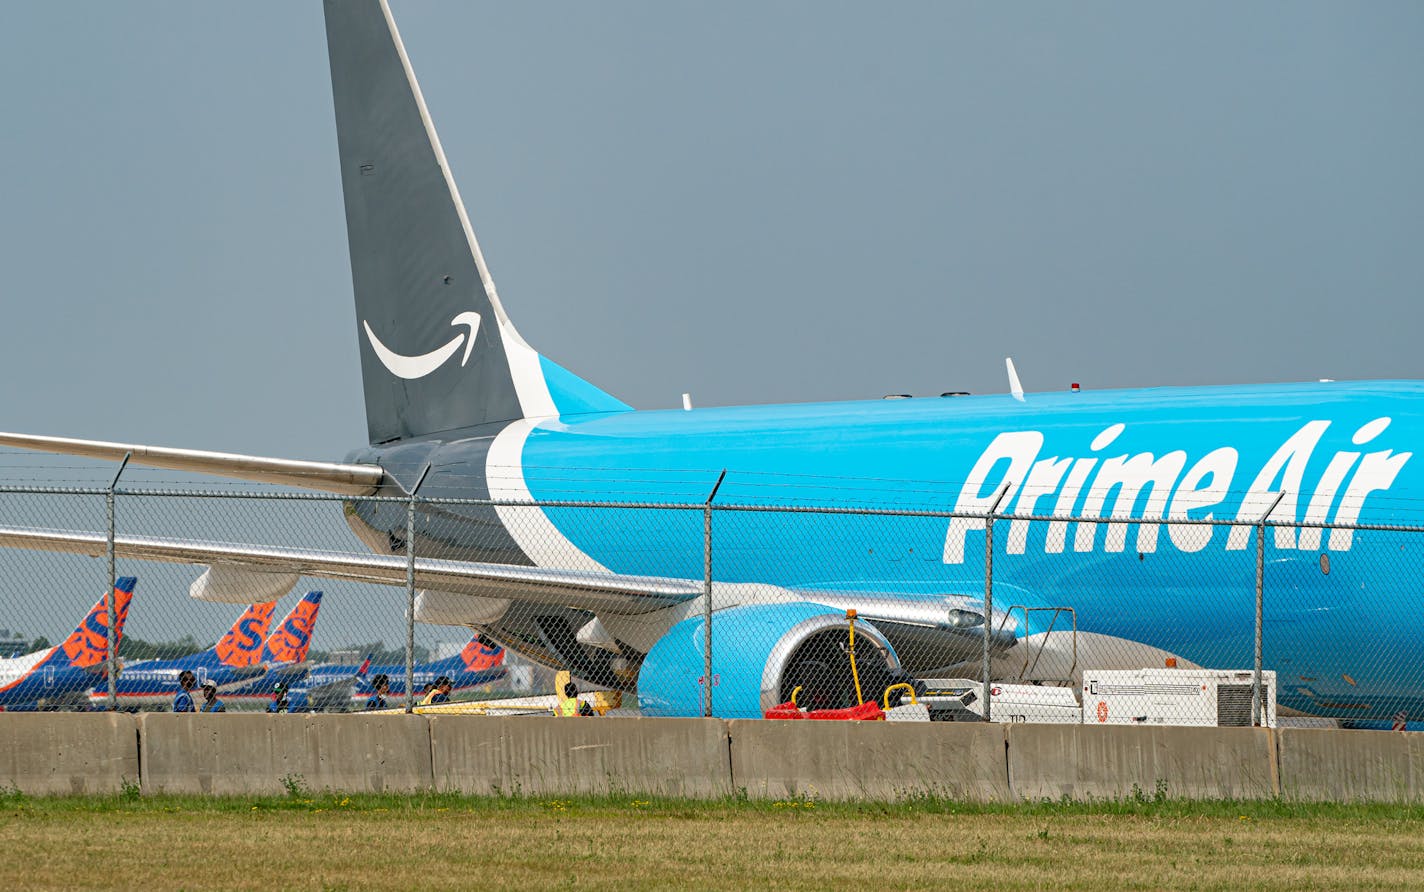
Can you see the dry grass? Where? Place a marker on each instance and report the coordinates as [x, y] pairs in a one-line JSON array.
[[439, 842]]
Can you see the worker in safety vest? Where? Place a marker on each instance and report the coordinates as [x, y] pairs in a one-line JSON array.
[[569, 703], [568, 700], [439, 692]]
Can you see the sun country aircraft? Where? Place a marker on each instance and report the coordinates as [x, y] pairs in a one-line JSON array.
[[236, 657], [616, 596], [342, 687], [478, 663], [283, 657], [60, 677]]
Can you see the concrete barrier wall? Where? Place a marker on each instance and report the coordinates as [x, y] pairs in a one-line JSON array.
[[1351, 766], [1088, 762], [535, 755], [52, 753], [58, 753], [868, 760], [246, 753]]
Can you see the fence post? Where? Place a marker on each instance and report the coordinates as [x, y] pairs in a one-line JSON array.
[[707, 595], [1256, 703], [410, 593], [112, 644], [989, 589]]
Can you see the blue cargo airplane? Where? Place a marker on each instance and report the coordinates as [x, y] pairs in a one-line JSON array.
[[453, 391], [236, 657], [60, 677]]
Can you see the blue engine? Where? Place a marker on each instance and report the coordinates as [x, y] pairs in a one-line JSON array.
[[760, 654]]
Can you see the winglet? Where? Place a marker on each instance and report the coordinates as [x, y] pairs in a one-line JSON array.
[[1015, 388]]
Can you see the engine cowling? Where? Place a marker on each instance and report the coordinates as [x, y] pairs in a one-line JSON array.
[[231, 584], [760, 654]]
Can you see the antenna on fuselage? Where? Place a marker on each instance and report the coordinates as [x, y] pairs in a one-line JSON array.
[[1015, 388]]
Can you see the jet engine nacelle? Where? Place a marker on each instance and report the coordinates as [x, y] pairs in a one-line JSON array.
[[231, 584], [760, 654]]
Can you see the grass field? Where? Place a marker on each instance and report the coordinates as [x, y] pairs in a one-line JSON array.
[[306, 841]]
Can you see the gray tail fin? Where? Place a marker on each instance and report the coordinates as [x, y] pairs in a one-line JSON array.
[[438, 352]]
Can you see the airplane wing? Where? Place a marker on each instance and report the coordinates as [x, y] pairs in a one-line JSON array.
[[958, 616], [566, 588], [288, 672], [339, 689]]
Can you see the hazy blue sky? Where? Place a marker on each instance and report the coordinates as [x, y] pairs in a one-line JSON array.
[[752, 202]]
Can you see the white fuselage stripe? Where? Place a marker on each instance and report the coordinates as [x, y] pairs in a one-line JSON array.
[[531, 528], [527, 373], [17, 669]]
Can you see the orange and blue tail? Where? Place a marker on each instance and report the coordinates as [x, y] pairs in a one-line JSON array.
[[88, 645], [479, 656], [291, 640], [242, 645]]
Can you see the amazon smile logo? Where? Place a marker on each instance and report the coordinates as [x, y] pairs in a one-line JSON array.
[[413, 367]]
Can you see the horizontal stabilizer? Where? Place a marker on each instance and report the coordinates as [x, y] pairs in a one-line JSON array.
[[349, 480]]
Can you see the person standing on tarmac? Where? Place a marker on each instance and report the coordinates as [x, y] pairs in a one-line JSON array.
[[183, 700], [381, 685], [279, 699], [211, 703], [570, 705], [439, 692]]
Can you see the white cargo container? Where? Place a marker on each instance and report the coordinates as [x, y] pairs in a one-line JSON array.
[[1212, 697]]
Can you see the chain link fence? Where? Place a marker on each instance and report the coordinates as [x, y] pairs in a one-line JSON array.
[[698, 608]]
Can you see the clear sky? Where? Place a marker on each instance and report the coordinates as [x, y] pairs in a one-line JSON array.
[[754, 202], [751, 202]]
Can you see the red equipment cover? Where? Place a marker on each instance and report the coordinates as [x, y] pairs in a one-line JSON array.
[[865, 712]]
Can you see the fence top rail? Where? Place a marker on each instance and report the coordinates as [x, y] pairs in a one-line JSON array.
[[943, 514], [18, 489]]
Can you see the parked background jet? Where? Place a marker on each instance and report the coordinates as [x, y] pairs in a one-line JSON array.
[[454, 393], [235, 658], [284, 653], [60, 677], [345, 687]]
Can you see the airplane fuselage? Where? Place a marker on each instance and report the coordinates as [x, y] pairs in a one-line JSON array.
[[155, 682], [1337, 601], [39, 678]]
